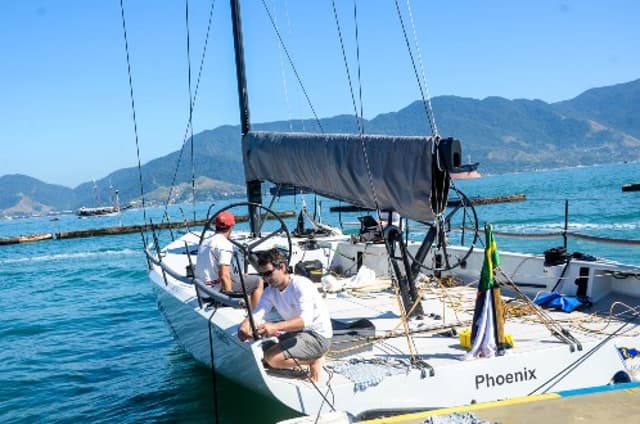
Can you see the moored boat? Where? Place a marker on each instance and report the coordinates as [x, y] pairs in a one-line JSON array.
[[417, 324], [631, 187], [103, 210], [466, 171]]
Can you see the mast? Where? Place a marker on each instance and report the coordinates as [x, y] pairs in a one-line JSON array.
[[254, 187]]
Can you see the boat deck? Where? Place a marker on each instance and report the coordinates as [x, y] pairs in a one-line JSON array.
[[436, 339], [452, 309]]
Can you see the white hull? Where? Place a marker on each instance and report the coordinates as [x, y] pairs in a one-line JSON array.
[[539, 363]]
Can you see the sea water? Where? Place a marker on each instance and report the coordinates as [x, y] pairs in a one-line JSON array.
[[81, 338]]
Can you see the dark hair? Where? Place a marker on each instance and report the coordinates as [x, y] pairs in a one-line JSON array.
[[272, 256]]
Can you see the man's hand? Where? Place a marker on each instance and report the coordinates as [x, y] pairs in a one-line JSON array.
[[268, 329], [244, 331]]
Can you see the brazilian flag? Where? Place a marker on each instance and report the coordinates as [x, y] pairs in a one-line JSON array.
[[487, 330], [491, 261]]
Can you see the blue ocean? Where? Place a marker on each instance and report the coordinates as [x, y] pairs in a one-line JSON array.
[[81, 338]]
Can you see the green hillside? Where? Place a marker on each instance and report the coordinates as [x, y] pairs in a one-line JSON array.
[[601, 125]]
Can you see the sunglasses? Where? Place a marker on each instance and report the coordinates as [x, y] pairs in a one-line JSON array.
[[267, 274]]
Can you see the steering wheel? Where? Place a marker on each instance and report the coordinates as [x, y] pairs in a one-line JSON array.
[[249, 248], [461, 218]]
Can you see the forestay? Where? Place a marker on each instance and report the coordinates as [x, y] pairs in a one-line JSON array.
[[334, 165]]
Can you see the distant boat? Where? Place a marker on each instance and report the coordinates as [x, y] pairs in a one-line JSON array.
[[286, 190], [466, 171], [102, 210], [631, 187]]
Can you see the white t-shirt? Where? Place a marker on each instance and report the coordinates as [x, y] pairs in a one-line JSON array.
[[299, 299], [213, 252]]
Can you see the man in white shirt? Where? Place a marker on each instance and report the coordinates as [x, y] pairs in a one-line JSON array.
[[216, 263], [306, 323]]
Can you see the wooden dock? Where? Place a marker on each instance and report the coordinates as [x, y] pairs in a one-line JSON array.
[[616, 403], [476, 201], [125, 229], [25, 239]]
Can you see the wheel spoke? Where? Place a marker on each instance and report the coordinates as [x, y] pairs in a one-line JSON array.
[[262, 239], [439, 230], [248, 249]]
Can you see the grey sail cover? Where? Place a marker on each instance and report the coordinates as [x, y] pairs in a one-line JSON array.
[[334, 166]]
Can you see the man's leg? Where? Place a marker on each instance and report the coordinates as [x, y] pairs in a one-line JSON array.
[[255, 296], [276, 358], [315, 368], [296, 349], [253, 284]]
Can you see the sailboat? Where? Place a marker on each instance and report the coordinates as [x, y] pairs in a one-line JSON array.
[[466, 171], [112, 209], [407, 339]]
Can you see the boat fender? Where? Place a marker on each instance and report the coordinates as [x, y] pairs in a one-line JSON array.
[[583, 257], [620, 377], [555, 256], [311, 269]]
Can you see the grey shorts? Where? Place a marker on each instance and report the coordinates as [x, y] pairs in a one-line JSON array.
[[250, 281], [306, 345]]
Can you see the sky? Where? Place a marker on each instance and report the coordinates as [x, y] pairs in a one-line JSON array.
[[65, 103]]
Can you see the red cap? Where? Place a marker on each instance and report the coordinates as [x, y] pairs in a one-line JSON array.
[[225, 219]]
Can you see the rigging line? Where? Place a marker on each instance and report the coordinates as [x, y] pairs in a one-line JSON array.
[[346, 67], [547, 320], [556, 234], [282, 72], [410, 342], [422, 73], [604, 239], [313, 383], [572, 366], [329, 390], [133, 112], [355, 20], [214, 380], [195, 97], [193, 168], [426, 105], [293, 67]]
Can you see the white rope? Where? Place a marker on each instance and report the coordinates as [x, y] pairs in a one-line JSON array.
[[432, 118]]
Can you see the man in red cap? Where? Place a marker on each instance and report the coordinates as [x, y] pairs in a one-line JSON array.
[[216, 264]]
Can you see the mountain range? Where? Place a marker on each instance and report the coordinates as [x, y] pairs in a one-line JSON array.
[[601, 125]]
